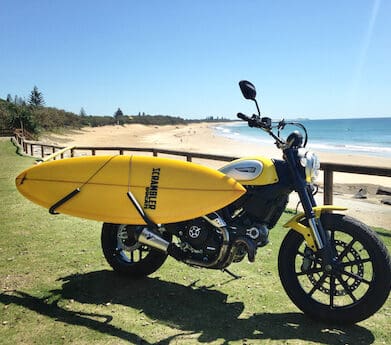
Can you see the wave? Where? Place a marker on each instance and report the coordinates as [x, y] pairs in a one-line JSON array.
[[350, 148], [240, 132]]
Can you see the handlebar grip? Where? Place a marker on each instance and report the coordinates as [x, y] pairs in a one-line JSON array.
[[243, 117]]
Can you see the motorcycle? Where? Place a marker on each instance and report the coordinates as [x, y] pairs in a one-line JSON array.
[[333, 267]]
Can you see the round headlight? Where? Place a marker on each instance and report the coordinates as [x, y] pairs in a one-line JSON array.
[[310, 162]]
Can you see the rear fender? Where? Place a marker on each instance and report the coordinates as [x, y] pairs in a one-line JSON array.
[[296, 223]]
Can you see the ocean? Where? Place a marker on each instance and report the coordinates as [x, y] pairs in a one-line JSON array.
[[369, 136]]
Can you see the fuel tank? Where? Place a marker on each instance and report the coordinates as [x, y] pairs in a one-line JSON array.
[[252, 171]]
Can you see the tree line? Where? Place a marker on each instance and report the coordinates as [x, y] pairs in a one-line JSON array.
[[34, 116]]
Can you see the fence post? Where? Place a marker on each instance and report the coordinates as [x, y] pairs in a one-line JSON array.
[[188, 158], [328, 187]]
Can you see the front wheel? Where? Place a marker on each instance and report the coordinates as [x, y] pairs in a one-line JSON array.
[[355, 286], [128, 256]]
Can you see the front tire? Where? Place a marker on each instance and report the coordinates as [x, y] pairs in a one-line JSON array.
[[357, 285], [128, 256]]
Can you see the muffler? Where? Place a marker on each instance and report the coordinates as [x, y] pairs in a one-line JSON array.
[[153, 240]]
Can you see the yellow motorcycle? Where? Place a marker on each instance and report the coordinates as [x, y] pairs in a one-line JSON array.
[[333, 267]]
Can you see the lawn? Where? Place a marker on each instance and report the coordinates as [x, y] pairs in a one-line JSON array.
[[56, 288]]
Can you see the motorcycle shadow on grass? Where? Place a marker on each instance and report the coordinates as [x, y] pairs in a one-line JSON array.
[[195, 311]]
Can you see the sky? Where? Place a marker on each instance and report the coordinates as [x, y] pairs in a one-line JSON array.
[[311, 59]]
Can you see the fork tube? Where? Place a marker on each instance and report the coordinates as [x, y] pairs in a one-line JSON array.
[[307, 199]]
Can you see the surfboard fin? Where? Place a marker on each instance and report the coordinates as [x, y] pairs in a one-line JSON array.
[[52, 209]]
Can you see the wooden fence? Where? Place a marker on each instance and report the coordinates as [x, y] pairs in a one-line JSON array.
[[38, 149], [4, 132]]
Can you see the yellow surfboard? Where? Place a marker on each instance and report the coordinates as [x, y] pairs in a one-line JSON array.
[[97, 188]]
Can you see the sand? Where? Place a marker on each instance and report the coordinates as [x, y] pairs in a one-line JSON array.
[[201, 138]]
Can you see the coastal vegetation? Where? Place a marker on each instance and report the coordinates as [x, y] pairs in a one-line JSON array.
[[35, 117]]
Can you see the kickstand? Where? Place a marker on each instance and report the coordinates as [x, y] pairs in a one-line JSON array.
[[233, 275]]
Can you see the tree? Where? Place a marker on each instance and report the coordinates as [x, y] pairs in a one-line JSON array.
[[118, 115], [82, 112], [36, 98], [9, 98], [19, 100]]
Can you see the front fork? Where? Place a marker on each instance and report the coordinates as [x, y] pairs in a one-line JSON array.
[[308, 223], [313, 233]]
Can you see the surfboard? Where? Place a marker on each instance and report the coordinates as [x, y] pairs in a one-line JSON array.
[[98, 187]]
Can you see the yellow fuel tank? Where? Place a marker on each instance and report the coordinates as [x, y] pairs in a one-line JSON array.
[[252, 171]]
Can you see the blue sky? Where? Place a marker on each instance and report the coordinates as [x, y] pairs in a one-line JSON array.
[[316, 59]]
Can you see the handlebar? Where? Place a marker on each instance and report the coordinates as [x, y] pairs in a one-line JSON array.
[[255, 121], [265, 123]]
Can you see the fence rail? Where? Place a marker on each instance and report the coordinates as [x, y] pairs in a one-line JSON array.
[[6, 132], [39, 149]]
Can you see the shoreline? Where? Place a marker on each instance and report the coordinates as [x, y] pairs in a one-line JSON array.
[[239, 130], [202, 138]]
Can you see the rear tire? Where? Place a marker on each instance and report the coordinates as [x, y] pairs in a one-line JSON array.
[[126, 255], [357, 285]]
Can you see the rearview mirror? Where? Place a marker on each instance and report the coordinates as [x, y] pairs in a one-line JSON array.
[[248, 90]]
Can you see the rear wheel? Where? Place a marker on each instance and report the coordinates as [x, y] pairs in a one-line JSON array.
[[128, 256], [355, 286]]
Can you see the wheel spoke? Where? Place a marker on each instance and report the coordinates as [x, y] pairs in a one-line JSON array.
[[347, 249], [355, 276], [355, 262], [346, 288], [318, 284], [332, 290]]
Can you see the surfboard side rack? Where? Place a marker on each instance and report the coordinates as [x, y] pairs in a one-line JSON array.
[[141, 212], [52, 209], [143, 215]]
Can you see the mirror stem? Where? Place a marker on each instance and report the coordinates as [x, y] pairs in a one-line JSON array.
[[256, 103]]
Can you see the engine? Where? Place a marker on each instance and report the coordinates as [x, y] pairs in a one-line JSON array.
[[200, 238], [202, 241]]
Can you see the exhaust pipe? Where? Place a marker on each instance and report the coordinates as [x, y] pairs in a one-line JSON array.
[[153, 240]]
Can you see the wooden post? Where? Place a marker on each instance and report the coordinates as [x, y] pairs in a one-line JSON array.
[[188, 158], [93, 152], [72, 153], [328, 187], [154, 151]]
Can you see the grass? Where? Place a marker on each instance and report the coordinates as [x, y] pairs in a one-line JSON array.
[[56, 288]]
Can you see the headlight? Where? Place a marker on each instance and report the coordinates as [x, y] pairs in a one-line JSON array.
[[310, 162]]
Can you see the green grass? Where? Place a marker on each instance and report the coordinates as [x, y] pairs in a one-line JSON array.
[[56, 288]]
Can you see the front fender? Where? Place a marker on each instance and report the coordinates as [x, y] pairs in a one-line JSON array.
[[296, 224]]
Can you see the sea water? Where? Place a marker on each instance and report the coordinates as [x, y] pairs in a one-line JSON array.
[[369, 136]]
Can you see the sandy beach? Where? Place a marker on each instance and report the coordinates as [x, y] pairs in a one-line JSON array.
[[201, 138]]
